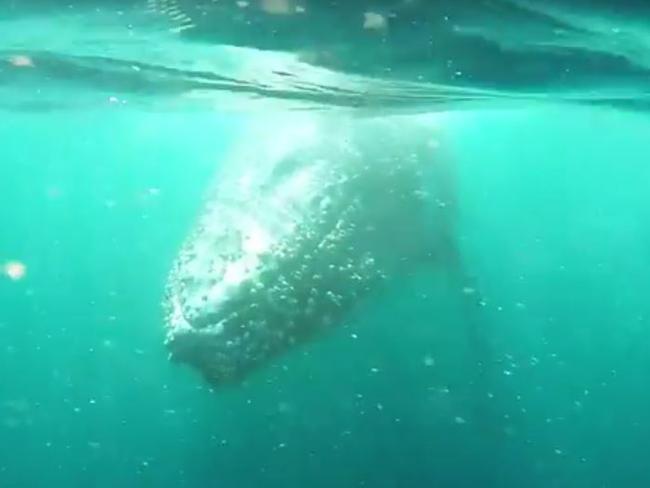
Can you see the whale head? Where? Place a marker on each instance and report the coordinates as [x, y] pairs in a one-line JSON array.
[[290, 241]]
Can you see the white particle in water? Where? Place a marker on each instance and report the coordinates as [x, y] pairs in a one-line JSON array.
[[276, 7], [374, 20], [21, 61], [15, 270]]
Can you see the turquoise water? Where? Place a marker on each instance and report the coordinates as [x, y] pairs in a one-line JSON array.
[[102, 181], [555, 225]]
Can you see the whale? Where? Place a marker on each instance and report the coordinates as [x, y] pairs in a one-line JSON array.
[[308, 216]]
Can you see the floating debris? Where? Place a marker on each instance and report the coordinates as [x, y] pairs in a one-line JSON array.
[[14, 270]]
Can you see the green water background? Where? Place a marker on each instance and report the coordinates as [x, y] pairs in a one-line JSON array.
[[555, 227]]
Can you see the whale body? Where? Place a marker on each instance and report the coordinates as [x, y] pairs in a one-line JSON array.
[[305, 220]]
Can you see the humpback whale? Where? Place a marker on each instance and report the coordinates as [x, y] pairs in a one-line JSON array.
[[307, 218]]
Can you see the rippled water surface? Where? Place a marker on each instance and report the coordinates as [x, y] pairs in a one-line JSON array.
[[380, 55]]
